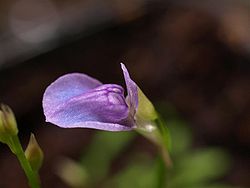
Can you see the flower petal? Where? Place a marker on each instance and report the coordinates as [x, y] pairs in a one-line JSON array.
[[131, 89], [102, 126], [101, 108], [66, 87]]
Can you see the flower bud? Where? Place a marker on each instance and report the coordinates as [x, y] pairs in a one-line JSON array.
[[8, 125], [34, 154], [2, 129]]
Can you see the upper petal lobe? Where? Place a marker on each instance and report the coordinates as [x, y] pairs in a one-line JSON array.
[[66, 87], [132, 90]]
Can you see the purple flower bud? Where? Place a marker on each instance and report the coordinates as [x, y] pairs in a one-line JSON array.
[[77, 100]]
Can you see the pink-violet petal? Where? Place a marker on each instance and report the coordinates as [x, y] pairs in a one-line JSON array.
[[132, 89]]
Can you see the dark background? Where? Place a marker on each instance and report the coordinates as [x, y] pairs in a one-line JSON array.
[[194, 56]]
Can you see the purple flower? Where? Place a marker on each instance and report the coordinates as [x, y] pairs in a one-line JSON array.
[[77, 100]]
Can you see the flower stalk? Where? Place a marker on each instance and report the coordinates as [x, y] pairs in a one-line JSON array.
[[9, 136], [16, 147], [151, 126]]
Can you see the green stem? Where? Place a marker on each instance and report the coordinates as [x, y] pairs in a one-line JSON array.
[[161, 173], [165, 146], [17, 149]]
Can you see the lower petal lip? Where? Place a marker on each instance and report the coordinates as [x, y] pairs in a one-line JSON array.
[[99, 105], [97, 125]]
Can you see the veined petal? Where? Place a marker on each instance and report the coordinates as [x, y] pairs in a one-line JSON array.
[[103, 108], [132, 89], [66, 87]]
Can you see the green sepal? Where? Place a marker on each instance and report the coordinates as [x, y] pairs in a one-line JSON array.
[[145, 110]]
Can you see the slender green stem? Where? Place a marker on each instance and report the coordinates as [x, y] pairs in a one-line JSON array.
[[17, 149], [164, 161], [161, 173], [166, 141]]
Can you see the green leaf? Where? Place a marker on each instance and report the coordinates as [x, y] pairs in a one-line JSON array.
[[140, 173], [199, 167], [181, 137], [104, 147], [214, 185]]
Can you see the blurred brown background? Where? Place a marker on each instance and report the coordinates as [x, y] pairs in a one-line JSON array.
[[194, 55]]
